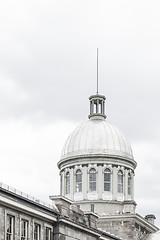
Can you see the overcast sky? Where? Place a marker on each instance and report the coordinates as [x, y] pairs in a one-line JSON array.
[[48, 71]]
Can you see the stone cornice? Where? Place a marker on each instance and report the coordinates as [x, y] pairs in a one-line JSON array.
[[97, 159], [140, 220]]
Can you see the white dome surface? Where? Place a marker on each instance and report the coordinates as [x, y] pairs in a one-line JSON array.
[[96, 137]]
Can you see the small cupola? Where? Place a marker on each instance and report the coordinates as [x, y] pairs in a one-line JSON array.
[[97, 106]]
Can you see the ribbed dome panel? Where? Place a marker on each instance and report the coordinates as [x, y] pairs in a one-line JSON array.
[[96, 137]]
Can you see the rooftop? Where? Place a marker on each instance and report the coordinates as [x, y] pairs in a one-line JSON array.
[[25, 196]]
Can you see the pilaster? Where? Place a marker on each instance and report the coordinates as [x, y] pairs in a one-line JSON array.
[[114, 186], [72, 185], [63, 184], [132, 186], [125, 184], [84, 182], [100, 182]]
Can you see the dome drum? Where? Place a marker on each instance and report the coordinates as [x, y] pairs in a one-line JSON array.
[[91, 182]]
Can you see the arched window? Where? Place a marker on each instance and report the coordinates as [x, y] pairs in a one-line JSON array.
[[129, 184], [120, 181], [67, 183], [92, 179], [78, 181], [107, 180]]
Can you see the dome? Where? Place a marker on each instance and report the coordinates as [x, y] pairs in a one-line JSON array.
[[96, 137]]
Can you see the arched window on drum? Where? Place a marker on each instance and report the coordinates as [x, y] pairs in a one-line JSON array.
[[78, 180], [67, 183], [92, 179], [120, 181], [129, 184], [107, 180]]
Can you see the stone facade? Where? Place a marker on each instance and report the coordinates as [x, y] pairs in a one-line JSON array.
[[127, 226], [16, 210], [43, 222], [97, 170], [99, 195]]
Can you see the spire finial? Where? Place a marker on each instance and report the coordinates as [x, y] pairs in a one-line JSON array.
[[97, 70]]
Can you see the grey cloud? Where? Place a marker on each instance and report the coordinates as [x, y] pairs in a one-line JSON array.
[[48, 64]]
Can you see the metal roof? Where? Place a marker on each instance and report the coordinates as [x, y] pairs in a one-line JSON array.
[[96, 137]]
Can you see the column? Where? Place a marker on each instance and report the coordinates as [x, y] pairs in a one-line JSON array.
[[103, 107], [132, 186], [72, 183], [92, 107], [85, 182], [63, 184], [97, 106], [114, 183], [60, 174], [125, 184], [101, 104], [100, 182]]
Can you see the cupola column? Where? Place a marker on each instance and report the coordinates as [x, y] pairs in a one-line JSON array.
[[97, 106], [103, 106], [91, 107]]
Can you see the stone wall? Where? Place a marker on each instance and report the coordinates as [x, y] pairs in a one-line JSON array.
[[18, 216], [126, 229], [65, 231]]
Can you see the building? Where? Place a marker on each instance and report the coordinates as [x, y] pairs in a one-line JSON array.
[[24, 218], [97, 175], [96, 198]]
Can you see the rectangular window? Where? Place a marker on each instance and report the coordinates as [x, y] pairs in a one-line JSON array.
[[10, 228], [107, 186], [67, 183], [120, 188], [92, 179], [48, 234], [24, 230], [107, 180], [36, 232], [92, 186], [79, 181], [120, 181], [92, 207]]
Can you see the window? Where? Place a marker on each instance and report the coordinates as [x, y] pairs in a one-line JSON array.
[[107, 180], [92, 207], [92, 179], [120, 181], [67, 183], [36, 232], [129, 184], [79, 181], [10, 228], [24, 230], [48, 234]]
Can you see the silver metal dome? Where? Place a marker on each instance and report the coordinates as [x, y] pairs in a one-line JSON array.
[[96, 137]]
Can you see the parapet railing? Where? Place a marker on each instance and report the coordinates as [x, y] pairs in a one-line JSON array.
[[24, 195]]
